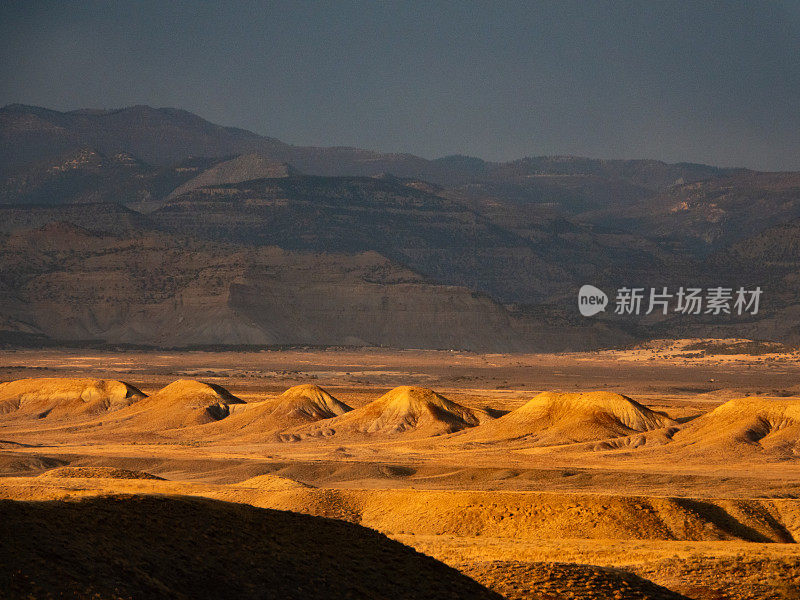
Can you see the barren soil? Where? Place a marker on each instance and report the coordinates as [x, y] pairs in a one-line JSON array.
[[647, 502]]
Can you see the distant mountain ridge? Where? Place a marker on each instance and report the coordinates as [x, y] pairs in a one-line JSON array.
[[156, 136], [161, 136], [504, 245]]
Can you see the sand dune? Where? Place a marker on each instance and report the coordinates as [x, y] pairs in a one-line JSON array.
[[198, 548], [745, 426], [403, 410], [61, 398], [552, 419], [262, 420], [182, 403]]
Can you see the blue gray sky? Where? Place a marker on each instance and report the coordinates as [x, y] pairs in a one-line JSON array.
[[713, 82]]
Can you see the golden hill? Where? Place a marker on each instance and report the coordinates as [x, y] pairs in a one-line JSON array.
[[491, 515], [273, 483], [62, 398], [96, 472], [533, 516], [176, 547], [297, 405], [745, 425], [551, 419], [182, 403], [309, 402], [404, 409]]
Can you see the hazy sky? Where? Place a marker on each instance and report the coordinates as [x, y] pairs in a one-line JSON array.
[[714, 82]]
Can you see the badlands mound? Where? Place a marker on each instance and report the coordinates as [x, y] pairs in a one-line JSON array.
[[404, 409], [296, 406], [182, 547], [309, 402], [745, 426], [182, 403], [97, 472], [551, 419], [273, 483], [62, 398]]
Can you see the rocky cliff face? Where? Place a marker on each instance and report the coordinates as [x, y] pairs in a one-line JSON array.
[[342, 304], [438, 236], [71, 284]]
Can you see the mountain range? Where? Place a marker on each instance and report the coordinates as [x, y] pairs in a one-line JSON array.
[[155, 227]]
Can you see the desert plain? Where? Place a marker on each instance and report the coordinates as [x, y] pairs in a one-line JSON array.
[[670, 469]]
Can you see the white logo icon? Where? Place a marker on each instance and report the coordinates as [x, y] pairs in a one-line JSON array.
[[591, 300]]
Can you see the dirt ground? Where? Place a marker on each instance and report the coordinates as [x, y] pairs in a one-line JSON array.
[[529, 522]]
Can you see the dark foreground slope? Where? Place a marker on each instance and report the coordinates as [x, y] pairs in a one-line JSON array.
[[162, 547]]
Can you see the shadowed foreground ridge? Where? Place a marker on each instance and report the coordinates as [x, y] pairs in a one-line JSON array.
[[195, 548]]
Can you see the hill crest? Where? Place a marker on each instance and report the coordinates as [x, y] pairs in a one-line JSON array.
[[402, 410], [553, 418], [744, 426], [64, 398]]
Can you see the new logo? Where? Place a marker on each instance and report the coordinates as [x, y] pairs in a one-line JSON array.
[[591, 300]]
